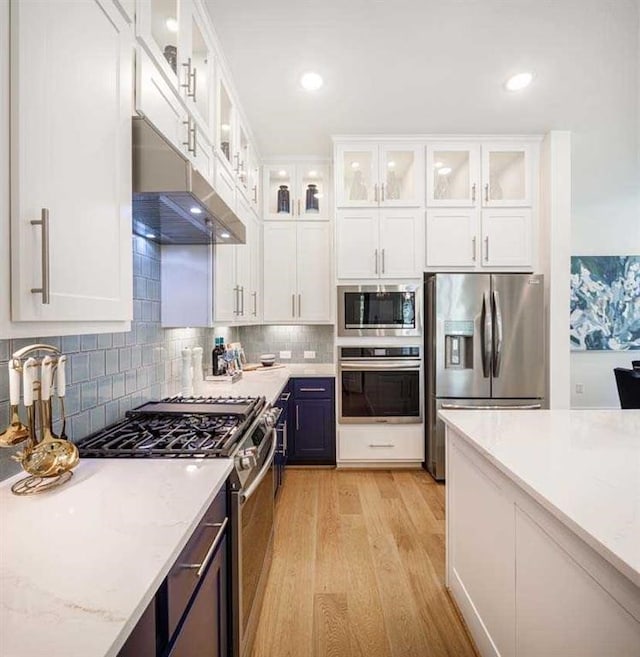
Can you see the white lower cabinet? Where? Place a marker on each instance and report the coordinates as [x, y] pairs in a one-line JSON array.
[[525, 584], [71, 162], [297, 272], [375, 444], [384, 243]]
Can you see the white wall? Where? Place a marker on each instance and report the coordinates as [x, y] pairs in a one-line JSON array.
[[606, 218]]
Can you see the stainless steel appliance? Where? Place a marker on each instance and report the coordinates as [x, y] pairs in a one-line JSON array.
[[379, 310], [379, 385], [172, 201], [241, 428], [484, 345]]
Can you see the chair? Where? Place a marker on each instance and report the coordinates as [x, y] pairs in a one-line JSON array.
[[628, 382]]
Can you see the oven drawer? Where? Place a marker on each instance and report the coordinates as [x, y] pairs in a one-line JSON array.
[[187, 571], [319, 388], [370, 443]]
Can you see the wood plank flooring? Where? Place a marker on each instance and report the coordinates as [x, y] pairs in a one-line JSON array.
[[358, 569]]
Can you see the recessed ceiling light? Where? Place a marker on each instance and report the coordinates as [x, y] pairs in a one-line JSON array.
[[151, 236], [444, 171], [311, 81], [172, 24], [391, 165], [225, 236], [282, 173], [195, 210], [518, 81], [355, 165]]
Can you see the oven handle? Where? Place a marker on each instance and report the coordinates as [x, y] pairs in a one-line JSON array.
[[406, 365], [491, 407], [245, 495]]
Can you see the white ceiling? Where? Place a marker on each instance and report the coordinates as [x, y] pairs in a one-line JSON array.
[[429, 66]]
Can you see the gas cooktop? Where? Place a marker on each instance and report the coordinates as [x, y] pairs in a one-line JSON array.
[[206, 427]]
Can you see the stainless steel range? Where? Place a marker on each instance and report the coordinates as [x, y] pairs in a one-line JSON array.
[[241, 428]]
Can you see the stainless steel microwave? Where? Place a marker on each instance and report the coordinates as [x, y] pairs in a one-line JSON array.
[[379, 310]]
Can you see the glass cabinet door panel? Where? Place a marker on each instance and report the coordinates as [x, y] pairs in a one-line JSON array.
[[164, 30], [280, 191], [242, 163], [506, 177], [313, 190], [399, 176], [451, 177], [225, 118], [201, 59], [359, 180]]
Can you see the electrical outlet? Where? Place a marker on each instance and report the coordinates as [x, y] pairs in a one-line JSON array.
[[285, 355], [579, 388], [309, 354]]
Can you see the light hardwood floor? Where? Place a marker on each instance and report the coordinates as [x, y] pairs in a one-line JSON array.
[[358, 569]]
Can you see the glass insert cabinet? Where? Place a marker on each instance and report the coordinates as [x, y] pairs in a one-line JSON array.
[[297, 190]]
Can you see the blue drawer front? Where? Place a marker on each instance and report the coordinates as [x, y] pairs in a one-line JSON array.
[[318, 388]]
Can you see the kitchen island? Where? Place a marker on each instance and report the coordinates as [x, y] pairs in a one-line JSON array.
[[543, 530]]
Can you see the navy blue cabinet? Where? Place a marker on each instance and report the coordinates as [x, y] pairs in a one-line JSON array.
[[312, 440]]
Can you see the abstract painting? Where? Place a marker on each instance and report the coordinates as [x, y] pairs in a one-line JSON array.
[[605, 303]]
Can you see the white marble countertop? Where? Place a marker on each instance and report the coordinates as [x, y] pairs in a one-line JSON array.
[[269, 382], [79, 565], [582, 466]]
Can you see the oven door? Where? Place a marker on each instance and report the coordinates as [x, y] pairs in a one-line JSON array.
[[252, 550], [380, 392], [379, 310]]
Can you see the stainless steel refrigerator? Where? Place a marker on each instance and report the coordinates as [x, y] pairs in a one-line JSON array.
[[484, 348]]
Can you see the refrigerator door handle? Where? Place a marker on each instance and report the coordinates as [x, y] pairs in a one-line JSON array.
[[491, 407], [497, 351], [487, 331]]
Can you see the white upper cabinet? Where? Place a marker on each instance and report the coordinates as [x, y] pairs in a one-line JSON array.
[[506, 175], [379, 175], [71, 90], [506, 238], [297, 272], [452, 238], [197, 84], [453, 175], [225, 142], [298, 190], [379, 243]]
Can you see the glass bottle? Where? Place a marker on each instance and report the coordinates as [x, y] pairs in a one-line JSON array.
[[283, 200], [311, 198]]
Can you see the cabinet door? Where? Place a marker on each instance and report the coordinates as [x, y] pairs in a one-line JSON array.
[[453, 175], [159, 103], [242, 159], [225, 127], [357, 182], [197, 88], [254, 298], [255, 188], [451, 239], [506, 238], [243, 262], [71, 160], [279, 190], [357, 244], [401, 238], [314, 272], [226, 302], [161, 29], [204, 631], [506, 175], [312, 185], [279, 249], [314, 438], [401, 175]]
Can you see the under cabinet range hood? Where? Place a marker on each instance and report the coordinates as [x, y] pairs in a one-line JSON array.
[[172, 201]]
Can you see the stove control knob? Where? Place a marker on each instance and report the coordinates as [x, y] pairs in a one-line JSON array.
[[247, 459]]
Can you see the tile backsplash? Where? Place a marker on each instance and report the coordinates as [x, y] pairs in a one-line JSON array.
[[109, 373], [257, 340]]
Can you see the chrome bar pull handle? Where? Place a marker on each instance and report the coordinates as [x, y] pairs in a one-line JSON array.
[[255, 303], [298, 207], [297, 418], [375, 257], [241, 291], [497, 342], [473, 248], [45, 290], [187, 85], [382, 193], [195, 139], [487, 335], [293, 305], [486, 193], [194, 77], [255, 194], [473, 193], [383, 261], [486, 249], [299, 305]]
